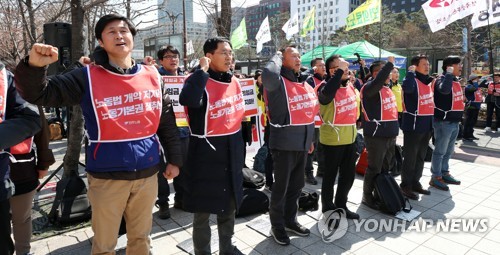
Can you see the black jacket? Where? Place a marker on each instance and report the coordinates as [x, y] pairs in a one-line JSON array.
[[70, 89], [212, 177], [289, 138], [21, 120], [371, 104]]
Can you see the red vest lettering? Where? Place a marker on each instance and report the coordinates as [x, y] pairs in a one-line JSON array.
[[388, 106], [127, 107], [302, 102], [25, 146], [493, 89], [317, 82], [345, 107], [225, 109], [425, 105]]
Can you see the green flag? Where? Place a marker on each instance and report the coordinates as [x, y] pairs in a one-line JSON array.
[[365, 14], [239, 36], [308, 22]]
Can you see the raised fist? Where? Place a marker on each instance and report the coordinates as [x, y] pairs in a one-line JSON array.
[[391, 59], [204, 63], [411, 68], [449, 69], [43, 54]]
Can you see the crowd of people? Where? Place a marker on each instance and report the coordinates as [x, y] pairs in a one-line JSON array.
[[136, 143]]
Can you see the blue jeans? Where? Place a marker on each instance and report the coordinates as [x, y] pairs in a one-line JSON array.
[[445, 134]]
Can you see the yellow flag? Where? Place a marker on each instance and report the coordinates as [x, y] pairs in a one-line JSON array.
[[308, 22], [365, 14]]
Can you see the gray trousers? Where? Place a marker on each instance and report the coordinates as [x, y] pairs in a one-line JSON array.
[[415, 148], [288, 183], [202, 232]]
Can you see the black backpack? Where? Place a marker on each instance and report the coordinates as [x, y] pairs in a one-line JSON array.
[[390, 195], [253, 179], [308, 201], [71, 204], [254, 201], [259, 160]]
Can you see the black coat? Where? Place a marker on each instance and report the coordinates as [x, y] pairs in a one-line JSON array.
[[212, 177]]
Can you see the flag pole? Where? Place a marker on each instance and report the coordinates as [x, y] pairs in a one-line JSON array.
[[490, 51], [380, 35]]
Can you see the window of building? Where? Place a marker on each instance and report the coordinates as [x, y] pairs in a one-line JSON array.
[[412, 9], [331, 19], [319, 6], [393, 4], [331, 11], [413, 1], [336, 10], [336, 2], [308, 8], [403, 2], [336, 19]]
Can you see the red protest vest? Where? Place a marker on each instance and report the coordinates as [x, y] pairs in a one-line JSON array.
[[345, 107], [492, 87], [317, 81], [425, 94], [302, 102], [458, 97], [388, 106], [127, 106], [225, 108], [478, 96], [25, 146]]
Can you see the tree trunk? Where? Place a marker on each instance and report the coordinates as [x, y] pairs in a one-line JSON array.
[[75, 126], [224, 21]]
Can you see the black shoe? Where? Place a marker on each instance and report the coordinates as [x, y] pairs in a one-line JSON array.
[[319, 173], [408, 192], [326, 208], [280, 236], [468, 139], [370, 202], [474, 138], [350, 214], [164, 212], [421, 190], [310, 178], [298, 229]]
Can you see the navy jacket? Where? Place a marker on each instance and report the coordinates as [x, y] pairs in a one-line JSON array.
[[443, 98], [21, 120], [424, 123], [128, 160]]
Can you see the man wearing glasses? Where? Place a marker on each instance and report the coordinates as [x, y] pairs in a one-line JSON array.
[[168, 56]]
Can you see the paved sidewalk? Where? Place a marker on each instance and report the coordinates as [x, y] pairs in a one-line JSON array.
[[477, 198]]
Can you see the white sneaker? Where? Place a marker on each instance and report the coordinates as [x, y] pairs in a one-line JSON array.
[[487, 129]]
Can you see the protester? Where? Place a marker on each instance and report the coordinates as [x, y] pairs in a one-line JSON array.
[[319, 74], [380, 128], [397, 91], [127, 113], [416, 125], [449, 102], [168, 57], [339, 110], [25, 172], [18, 122], [291, 136], [213, 176], [474, 99], [493, 102]]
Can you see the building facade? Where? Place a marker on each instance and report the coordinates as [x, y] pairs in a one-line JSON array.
[[407, 6], [330, 16]]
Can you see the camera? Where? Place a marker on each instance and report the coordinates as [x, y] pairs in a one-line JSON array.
[[356, 62]]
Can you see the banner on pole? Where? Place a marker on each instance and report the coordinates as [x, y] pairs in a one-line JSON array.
[[365, 14]]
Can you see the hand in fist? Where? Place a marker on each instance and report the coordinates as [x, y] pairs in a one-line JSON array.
[[411, 68], [85, 61], [391, 59], [449, 69], [204, 63], [43, 54], [148, 60]]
